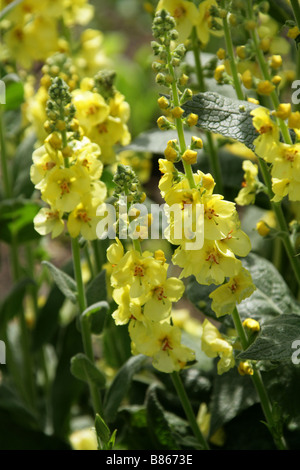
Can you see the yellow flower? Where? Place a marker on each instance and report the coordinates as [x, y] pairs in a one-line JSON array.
[[294, 120], [262, 228], [251, 324], [225, 297], [204, 21], [91, 108], [214, 345], [247, 194], [219, 72], [247, 79], [162, 342], [283, 111], [159, 300], [45, 158], [83, 219], [245, 368], [293, 33], [168, 173], [265, 87], [219, 216], [128, 308], [63, 188], [84, 439], [269, 133], [209, 265], [185, 14], [115, 252], [49, 221], [190, 156]]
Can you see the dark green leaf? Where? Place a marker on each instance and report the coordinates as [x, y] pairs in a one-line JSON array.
[[66, 389], [83, 369], [275, 340], [158, 424], [232, 394], [120, 386], [221, 115], [22, 185], [272, 296], [64, 282], [96, 314], [96, 290], [14, 91], [102, 430], [48, 319], [16, 220]]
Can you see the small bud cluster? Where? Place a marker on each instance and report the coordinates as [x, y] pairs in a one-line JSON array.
[[104, 83], [127, 184], [60, 110]]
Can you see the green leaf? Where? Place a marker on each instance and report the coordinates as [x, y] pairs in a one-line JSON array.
[[22, 185], [157, 422], [232, 394], [221, 115], [83, 369], [155, 141], [65, 389], [9, 8], [96, 290], [96, 314], [103, 432], [64, 282], [16, 220], [47, 322], [14, 92], [272, 296], [120, 386], [275, 340]]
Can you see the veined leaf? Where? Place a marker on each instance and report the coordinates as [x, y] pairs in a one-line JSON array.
[[275, 340], [226, 116], [83, 369]]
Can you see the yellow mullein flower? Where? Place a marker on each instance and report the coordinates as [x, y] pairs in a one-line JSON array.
[[128, 308], [245, 368], [294, 120], [269, 133], [214, 345], [185, 14], [159, 300], [115, 252], [209, 265], [142, 272], [236, 241], [63, 188], [91, 108], [247, 194], [162, 342], [84, 439], [204, 21], [49, 221], [238, 288], [251, 324], [86, 155], [167, 179], [45, 158], [283, 111], [83, 219], [280, 188], [286, 161], [219, 216]]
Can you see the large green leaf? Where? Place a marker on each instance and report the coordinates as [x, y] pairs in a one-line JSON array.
[[22, 185], [226, 116], [275, 341], [232, 394], [13, 303], [83, 369], [120, 386], [14, 91], [158, 424], [272, 296]]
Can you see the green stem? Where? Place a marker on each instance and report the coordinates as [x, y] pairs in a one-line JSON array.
[[259, 385], [277, 209], [85, 327], [179, 124], [232, 61], [97, 256], [266, 73], [212, 152], [3, 156], [188, 410], [296, 8]]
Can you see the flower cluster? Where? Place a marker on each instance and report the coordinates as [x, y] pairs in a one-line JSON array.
[[144, 295], [32, 28], [283, 157], [217, 259], [67, 170]]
